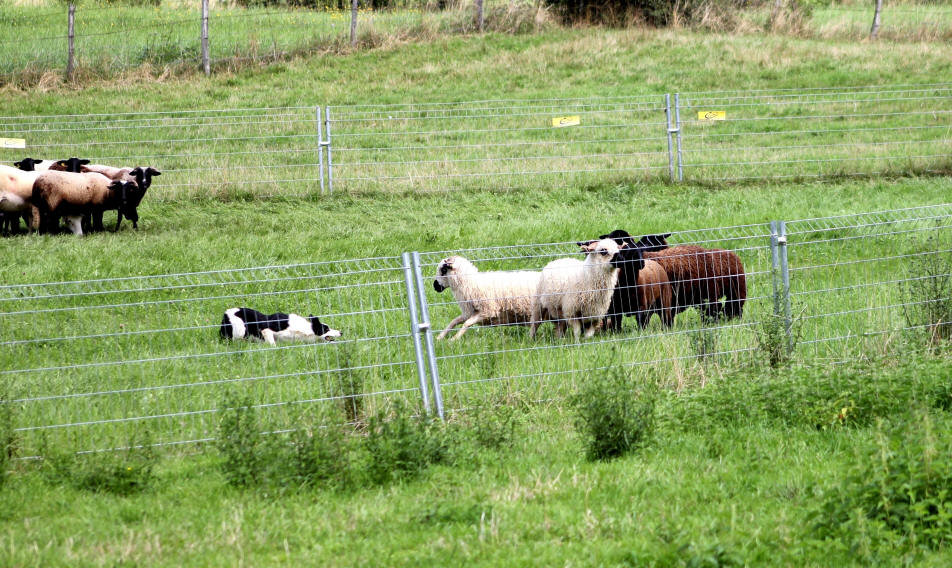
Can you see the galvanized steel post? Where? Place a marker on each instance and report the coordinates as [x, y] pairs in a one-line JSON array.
[[330, 162], [428, 334], [415, 330], [677, 126], [669, 117], [320, 148], [781, 278]]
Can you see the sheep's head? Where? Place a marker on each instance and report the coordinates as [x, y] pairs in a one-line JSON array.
[[450, 267], [143, 176], [70, 165], [629, 260], [27, 164], [603, 251], [129, 196]]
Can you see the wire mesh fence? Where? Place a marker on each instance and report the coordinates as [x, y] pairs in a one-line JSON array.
[[92, 365], [502, 145], [217, 153]]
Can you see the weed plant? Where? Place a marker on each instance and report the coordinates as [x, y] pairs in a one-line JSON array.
[[123, 472], [898, 485], [401, 444], [926, 294], [8, 437], [613, 416]]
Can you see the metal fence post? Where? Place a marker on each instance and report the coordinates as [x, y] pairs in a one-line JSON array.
[[70, 62], [320, 147], [327, 143], [415, 330], [206, 61], [677, 126], [425, 328], [353, 23], [781, 278], [669, 116]]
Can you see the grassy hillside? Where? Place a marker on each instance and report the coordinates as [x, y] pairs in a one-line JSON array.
[[747, 465]]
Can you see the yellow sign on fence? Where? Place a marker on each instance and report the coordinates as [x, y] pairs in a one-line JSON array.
[[12, 143], [712, 115], [562, 121]]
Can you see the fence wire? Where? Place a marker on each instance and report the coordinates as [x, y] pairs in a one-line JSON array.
[[512, 144], [92, 365], [89, 365]]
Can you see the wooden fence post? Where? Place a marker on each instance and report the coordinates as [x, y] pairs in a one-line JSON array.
[[874, 31], [70, 61], [206, 61]]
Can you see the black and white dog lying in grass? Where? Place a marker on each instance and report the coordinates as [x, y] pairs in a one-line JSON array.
[[239, 323]]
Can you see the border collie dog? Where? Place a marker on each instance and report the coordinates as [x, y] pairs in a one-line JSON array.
[[239, 323]]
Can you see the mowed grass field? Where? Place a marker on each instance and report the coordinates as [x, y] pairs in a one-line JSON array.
[[743, 456]]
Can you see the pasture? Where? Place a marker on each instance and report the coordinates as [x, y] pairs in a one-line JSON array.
[[744, 456]]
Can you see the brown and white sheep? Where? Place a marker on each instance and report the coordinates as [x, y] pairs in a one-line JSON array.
[[72, 195]]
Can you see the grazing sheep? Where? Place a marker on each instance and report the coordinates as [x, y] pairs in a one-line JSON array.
[[642, 290], [699, 277], [19, 204], [16, 188], [72, 195], [577, 292], [494, 297]]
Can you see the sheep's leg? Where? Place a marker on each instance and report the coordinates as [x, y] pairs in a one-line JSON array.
[[474, 319], [75, 223], [593, 328], [456, 321]]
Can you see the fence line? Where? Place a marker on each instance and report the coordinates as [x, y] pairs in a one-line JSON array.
[[89, 374]]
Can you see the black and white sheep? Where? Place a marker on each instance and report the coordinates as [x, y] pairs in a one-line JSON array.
[[73, 195], [577, 293], [699, 277], [141, 175], [492, 297]]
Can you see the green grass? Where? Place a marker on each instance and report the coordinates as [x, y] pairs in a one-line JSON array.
[[738, 464]]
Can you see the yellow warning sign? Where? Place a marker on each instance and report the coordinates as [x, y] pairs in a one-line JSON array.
[[562, 121], [712, 115], [12, 143]]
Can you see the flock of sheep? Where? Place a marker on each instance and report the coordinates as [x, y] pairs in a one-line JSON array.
[[619, 277], [44, 191]]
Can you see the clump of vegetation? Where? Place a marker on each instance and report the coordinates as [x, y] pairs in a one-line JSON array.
[[815, 398], [704, 342], [777, 336], [8, 438], [613, 417], [899, 485], [241, 443], [124, 471], [927, 294], [401, 445]]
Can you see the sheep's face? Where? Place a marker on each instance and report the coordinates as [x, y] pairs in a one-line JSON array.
[[629, 260], [602, 252], [443, 270], [143, 176]]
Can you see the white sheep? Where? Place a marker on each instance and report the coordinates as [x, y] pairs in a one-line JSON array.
[[72, 195], [16, 189], [577, 292], [493, 297]]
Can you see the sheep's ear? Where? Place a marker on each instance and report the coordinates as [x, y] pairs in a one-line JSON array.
[[83, 162], [154, 172], [586, 245]]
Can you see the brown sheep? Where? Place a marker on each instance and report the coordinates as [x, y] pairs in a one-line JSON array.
[[642, 290], [72, 195], [699, 277]]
